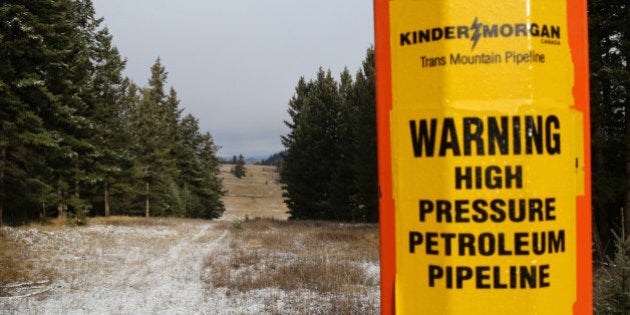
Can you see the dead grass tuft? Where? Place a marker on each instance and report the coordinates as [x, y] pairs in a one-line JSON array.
[[325, 258]]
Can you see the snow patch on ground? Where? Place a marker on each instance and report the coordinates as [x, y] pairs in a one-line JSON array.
[[107, 269]]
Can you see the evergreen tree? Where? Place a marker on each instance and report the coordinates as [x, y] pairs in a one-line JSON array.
[[362, 101], [311, 168], [46, 68], [239, 166], [23, 133], [156, 146], [113, 166], [329, 167], [610, 119], [199, 168]]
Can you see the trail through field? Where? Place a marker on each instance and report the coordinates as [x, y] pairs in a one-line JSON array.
[[115, 269], [127, 265]]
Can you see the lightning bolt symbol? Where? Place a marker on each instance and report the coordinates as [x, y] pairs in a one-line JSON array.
[[476, 26]]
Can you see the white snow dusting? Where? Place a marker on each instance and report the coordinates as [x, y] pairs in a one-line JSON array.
[[153, 269]]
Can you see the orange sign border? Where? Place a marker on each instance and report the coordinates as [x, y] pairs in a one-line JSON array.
[[578, 42]]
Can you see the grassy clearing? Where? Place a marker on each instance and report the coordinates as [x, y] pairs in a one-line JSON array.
[[336, 263], [34, 253]]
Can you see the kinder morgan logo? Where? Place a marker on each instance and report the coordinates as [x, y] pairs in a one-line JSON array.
[[478, 30]]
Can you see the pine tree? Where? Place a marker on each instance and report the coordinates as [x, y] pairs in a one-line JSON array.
[[239, 166], [362, 101], [22, 87], [610, 121], [311, 168], [113, 165], [46, 72], [199, 169], [329, 168]]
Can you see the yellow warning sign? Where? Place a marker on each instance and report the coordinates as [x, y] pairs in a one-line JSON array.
[[487, 157]]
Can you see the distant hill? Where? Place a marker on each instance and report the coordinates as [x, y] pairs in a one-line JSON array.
[[273, 159]]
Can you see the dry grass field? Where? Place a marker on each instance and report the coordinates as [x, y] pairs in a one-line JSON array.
[[256, 195], [235, 265]]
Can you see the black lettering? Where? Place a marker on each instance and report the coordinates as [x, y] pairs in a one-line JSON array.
[[463, 273], [486, 244], [449, 32], [555, 32], [481, 215], [517, 213], [404, 39], [545, 31], [501, 245], [497, 278], [436, 33], [533, 135], [462, 32], [424, 36], [496, 206], [466, 241], [497, 136], [543, 276], [461, 209], [465, 177], [443, 208], [473, 136], [556, 242], [533, 30], [449, 138], [527, 276], [435, 273], [535, 208], [552, 140], [520, 244], [516, 176], [425, 207], [493, 181], [415, 238], [550, 208], [431, 243], [539, 243], [506, 30], [490, 31], [423, 138], [448, 238], [516, 135], [482, 274], [520, 29]]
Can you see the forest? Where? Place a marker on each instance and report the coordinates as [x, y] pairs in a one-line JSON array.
[[80, 139]]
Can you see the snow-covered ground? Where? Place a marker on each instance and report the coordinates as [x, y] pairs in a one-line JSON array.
[[143, 269]]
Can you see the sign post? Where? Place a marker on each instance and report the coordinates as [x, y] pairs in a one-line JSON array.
[[484, 156]]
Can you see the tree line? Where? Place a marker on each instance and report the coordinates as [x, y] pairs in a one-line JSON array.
[[78, 138], [329, 168], [610, 121]]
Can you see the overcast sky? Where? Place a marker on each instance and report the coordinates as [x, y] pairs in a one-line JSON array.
[[235, 63]]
